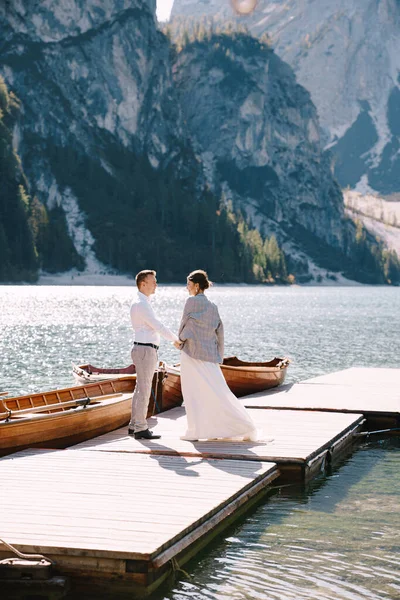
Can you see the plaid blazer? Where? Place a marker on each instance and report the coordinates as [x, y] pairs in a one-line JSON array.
[[201, 330]]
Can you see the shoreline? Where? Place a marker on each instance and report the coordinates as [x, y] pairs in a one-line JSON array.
[[103, 279]]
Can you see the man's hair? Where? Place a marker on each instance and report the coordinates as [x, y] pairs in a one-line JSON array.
[[141, 276]]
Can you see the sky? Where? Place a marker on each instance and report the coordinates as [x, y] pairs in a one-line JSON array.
[[164, 9]]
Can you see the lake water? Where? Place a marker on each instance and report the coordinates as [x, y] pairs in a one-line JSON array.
[[338, 538]]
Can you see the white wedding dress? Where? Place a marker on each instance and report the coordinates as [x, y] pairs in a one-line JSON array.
[[212, 410]]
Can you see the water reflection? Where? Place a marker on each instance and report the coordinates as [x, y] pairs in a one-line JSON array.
[[336, 539]]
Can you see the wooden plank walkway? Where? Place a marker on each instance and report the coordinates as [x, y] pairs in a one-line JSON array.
[[360, 376], [99, 513], [120, 509], [288, 438], [372, 392], [115, 509], [134, 504]]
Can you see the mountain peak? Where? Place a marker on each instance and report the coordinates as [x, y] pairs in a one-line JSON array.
[[347, 54]]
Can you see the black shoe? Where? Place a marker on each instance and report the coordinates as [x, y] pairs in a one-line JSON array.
[[146, 435], [131, 431]]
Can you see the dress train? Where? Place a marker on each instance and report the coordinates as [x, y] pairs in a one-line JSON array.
[[212, 410]]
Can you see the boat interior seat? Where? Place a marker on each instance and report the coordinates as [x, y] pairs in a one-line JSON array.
[[4, 411]]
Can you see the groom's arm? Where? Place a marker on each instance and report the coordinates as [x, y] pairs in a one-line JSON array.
[[152, 321]]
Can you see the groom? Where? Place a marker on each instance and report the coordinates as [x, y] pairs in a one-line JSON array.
[[147, 329]]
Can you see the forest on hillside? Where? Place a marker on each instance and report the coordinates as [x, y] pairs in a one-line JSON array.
[[155, 224], [31, 236]]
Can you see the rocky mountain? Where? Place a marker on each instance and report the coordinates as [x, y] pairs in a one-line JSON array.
[[347, 54], [151, 154], [100, 135], [377, 214], [93, 78], [257, 133]]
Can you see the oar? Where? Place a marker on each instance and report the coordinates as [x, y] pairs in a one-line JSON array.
[[69, 403], [3, 393]]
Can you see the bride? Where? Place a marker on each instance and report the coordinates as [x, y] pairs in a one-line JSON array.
[[212, 410]]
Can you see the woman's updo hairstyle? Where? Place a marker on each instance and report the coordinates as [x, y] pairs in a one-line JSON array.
[[201, 278]]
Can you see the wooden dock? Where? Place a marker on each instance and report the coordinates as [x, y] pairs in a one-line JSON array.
[[118, 518], [298, 442], [375, 393], [123, 513]]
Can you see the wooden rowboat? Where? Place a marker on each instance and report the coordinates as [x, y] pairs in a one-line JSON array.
[[171, 391], [90, 374], [245, 378], [170, 394], [60, 418], [242, 377]]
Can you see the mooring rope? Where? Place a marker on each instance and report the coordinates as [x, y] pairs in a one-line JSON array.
[[155, 400], [176, 568], [368, 433], [25, 556]]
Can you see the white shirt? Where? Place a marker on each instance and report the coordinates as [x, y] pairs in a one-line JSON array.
[[145, 324]]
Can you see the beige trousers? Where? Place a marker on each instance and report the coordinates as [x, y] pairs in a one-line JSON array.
[[145, 360]]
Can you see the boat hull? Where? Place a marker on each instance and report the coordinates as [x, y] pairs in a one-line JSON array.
[[172, 391], [169, 393], [243, 378], [244, 382], [84, 374], [109, 409]]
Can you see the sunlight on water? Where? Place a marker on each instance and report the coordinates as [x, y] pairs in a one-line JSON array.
[[44, 329], [337, 540]]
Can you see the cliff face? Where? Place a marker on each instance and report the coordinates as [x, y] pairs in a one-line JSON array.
[[257, 132], [94, 81], [347, 54], [100, 64], [137, 143]]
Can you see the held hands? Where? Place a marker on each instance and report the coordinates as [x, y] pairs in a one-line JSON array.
[[178, 345]]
